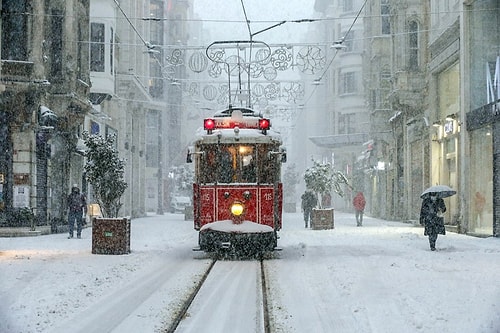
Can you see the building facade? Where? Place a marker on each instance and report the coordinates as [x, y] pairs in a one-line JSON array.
[[132, 94], [430, 73], [480, 88], [43, 101], [342, 131], [443, 60]]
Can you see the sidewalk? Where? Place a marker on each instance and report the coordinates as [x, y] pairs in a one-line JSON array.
[[24, 231]]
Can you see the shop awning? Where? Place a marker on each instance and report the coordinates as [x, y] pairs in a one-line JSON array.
[[340, 140]]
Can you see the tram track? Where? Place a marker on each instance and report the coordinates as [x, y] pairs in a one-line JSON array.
[[230, 296], [265, 305], [187, 303]]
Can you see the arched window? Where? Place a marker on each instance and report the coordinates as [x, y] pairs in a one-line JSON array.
[[413, 62]]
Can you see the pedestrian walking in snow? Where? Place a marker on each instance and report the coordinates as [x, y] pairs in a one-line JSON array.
[[479, 203], [309, 201], [359, 204], [77, 205], [431, 217]]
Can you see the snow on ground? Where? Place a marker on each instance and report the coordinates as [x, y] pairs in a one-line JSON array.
[[381, 277]]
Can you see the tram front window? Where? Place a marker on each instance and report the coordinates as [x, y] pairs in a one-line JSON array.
[[232, 164], [236, 164], [248, 167]]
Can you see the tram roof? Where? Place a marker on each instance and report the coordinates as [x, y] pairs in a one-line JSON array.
[[244, 136], [237, 125], [246, 112]]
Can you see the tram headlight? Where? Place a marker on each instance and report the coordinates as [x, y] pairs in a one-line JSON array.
[[237, 208]]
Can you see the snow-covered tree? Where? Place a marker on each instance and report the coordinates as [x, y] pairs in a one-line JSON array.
[[185, 179], [322, 178], [182, 179], [104, 170]]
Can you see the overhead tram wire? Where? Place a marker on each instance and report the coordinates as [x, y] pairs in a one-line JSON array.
[[246, 19], [146, 43], [149, 46], [342, 39], [308, 20], [266, 29], [430, 13]]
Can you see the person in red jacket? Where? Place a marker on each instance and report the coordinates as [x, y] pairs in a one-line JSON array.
[[359, 203]]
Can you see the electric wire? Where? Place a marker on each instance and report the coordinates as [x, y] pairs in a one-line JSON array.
[[246, 19], [247, 22], [205, 20], [131, 24], [310, 20], [342, 39]]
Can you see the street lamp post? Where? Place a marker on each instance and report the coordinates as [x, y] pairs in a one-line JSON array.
[[159, 210]]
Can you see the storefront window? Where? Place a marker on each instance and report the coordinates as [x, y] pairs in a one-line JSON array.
[[447, 170], [481, 182]]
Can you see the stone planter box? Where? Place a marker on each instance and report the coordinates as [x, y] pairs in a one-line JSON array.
[[322, 219], [111, 236]]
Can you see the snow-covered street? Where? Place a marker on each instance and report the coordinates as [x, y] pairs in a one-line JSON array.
[[381, 277]]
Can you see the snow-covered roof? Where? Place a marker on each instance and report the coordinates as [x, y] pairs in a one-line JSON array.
[[245, 135], [242, 125], [244, 111], [340, 140]]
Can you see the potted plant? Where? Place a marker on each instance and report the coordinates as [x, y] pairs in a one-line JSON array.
[[322, 178], [104, 171]]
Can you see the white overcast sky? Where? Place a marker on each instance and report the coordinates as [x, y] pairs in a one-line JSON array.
[[225, 19]]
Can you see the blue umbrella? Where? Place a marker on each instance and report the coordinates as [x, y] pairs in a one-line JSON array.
[[442, 191]]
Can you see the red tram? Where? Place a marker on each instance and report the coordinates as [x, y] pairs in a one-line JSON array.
[[237, 192]]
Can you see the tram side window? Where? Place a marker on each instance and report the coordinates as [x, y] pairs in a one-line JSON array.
[[225, 170], [266, 166], [208, 165]]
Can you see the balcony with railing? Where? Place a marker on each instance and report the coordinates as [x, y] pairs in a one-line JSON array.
[[17, 71]]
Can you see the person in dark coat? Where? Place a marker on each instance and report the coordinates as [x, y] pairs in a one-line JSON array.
[[309, 201], [77, 205], [359, 204], [431, 217]]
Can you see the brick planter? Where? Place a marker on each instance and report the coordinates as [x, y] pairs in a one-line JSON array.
[[322, 219], [111, 236]]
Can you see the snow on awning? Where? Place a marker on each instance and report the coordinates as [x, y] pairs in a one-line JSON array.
[[341, 140], [395, 116], [47, 116], [46, 112]]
